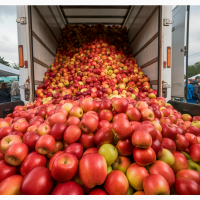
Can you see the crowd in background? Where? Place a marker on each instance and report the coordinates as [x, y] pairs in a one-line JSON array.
[[194, 90], [8, 94]]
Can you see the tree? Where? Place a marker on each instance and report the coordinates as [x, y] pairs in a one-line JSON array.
[[2, 61], [12, 65], [194, 69]]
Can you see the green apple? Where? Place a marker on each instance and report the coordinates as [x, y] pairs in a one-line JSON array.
[[196, 123], [130, 191], [186, 155], [167, 157], [194, 166], [109, 169], [109, 152]]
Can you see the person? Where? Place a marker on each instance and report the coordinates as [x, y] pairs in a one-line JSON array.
[[15, 92], [4, 95], [196, 87], [191, 97]]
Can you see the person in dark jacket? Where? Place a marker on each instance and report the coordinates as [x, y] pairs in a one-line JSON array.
[[4, 95], [196, 86]]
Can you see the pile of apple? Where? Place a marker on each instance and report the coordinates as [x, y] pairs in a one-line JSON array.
[[94, 61], [99, 147]]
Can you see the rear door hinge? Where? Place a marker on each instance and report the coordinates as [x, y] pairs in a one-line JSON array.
[[167, 22], [22, 20]]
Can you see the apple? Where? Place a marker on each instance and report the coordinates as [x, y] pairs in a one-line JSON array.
[[73, 121], [149, 128], [4, 123], [58, 130], [194, 123], [45, 144], [147, 114], [116, 183], [37, 182], [16, 154], [87, 104], [186, 186], [125, 147], [181, 142], [121, 163], [31, 161], [195, 152], [188, 173], [139, 193], [122, 128], [120, 105], [194, 130], [104, 124], [167, 157], [163, 169], [141, 105], [89, 165], [155, 184], [53, 158], [109, 152], [136, 175], [187, 117], [72, 134], [157, 147], [64, 167], [141, 139], [91, 150], [169, 131], [87, 140], [57, 118], [76, 149], [97, 191], [144, 157], [6, 170], [105, 115], [4, 131], [191, 138], [133, 114], [31, 139], [44, 129], [180, 162], [11, 185], [76, 111], [103, 136], [20, 134], [120, 115], [89, 124], [66, 189], [169, 144]]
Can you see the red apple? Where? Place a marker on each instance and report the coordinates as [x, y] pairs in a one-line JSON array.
[[157, 147], [120, 105], [89, 124], [11, 185], [31, 161], [104, 124], [97, 191], [37, 182], [105, 115], [45, 144], [16, 154], [76, 149], [68, 188], [73, 121], [141, 139], [4, 131], [133, 114], [91, 150], [155, 184], [195, 152], [116, 183], [144, 157], [169, 144], [194, 130], [89, 165], [64, 167], [163, 169], [121, 163], [181, 142], [122, 128], [169, 131], [6, 170], [57, 118], [87, 140], [72, 134], [31, 139]]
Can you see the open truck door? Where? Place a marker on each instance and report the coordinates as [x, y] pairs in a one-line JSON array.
[[178, 51]]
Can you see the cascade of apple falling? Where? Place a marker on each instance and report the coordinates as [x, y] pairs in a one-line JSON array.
[[94, 60]]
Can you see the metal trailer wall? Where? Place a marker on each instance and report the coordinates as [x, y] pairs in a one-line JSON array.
[[143, 36], [47, 22]]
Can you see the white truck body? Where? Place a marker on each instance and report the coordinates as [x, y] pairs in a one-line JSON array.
[[148, 35]]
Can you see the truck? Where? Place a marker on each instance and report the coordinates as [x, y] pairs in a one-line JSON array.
[[150, 30]]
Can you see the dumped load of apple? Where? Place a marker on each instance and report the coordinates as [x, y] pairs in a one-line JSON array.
[[97, 128]]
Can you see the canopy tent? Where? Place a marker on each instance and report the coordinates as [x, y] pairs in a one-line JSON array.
[[193, 77], [8, 71]]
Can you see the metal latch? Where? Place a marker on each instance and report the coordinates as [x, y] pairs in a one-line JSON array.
[[22, 20], [167, 22], [184, 50]]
